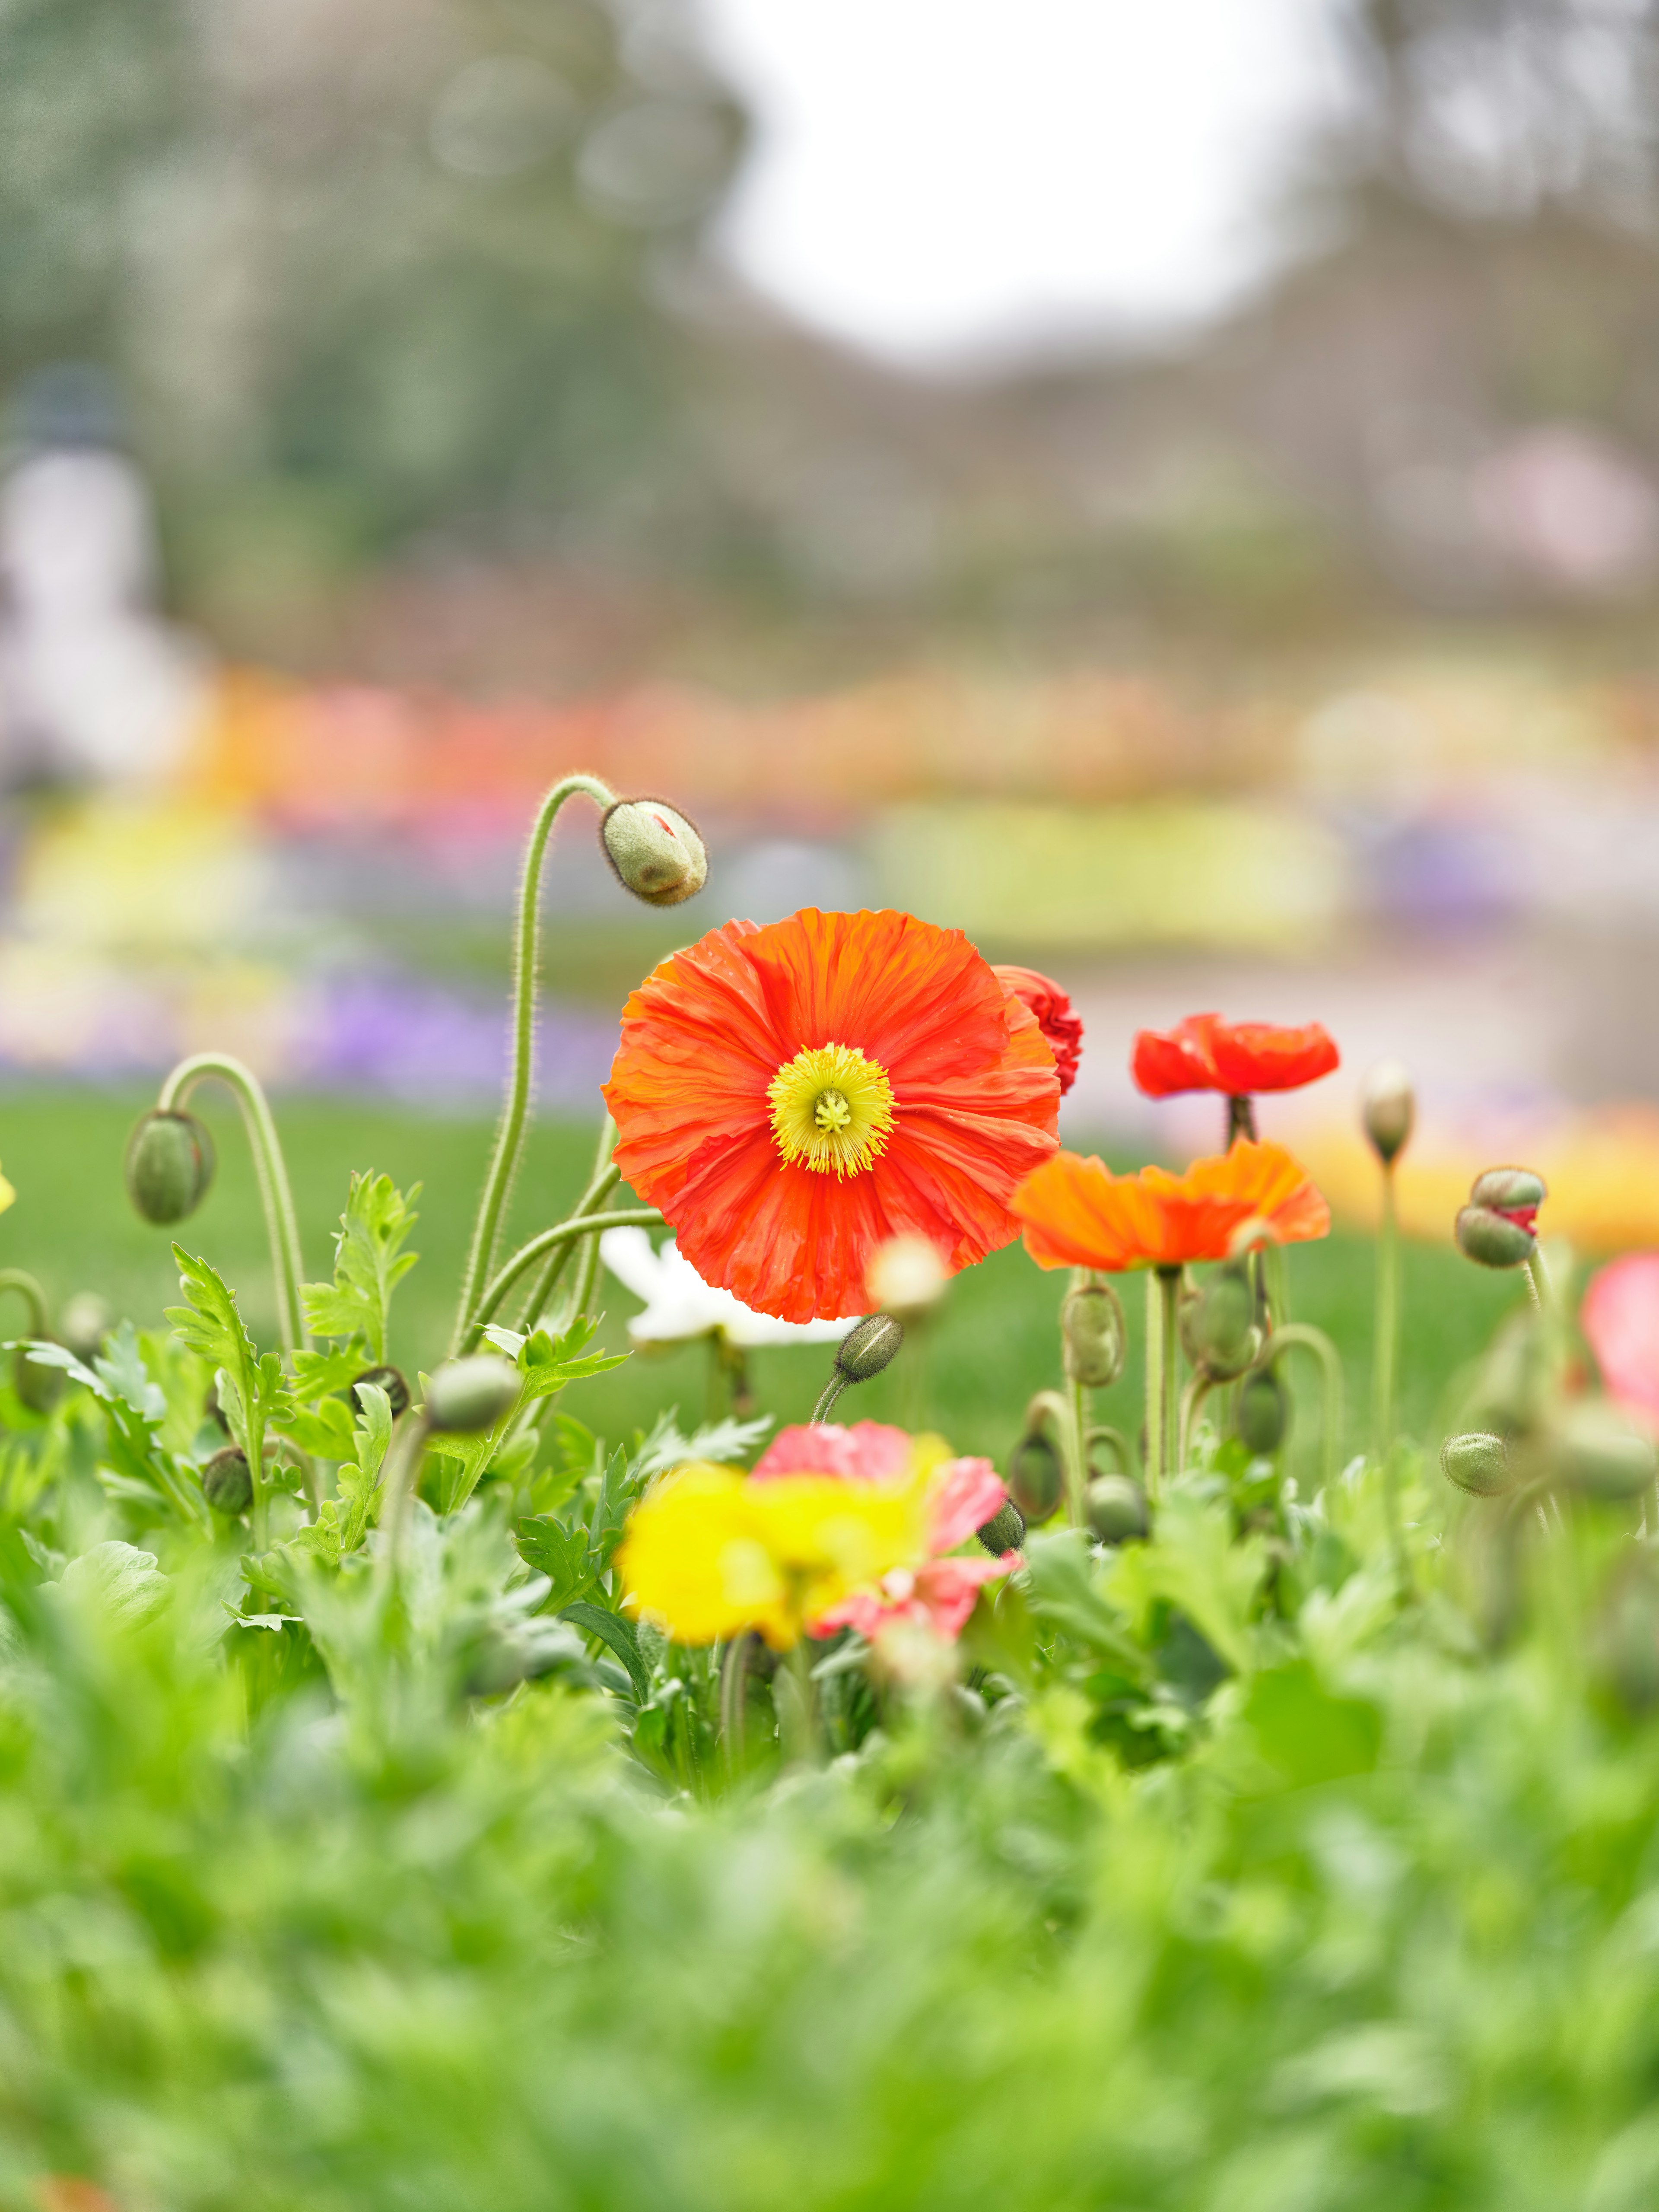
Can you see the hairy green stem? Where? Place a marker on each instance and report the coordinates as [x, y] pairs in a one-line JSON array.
[[402, 1473], [1192, 1398], [271, 1173], [832, 1390], [634, 1217], [509, 1138], [1385, 1326], [605, 1176], [1119, 1445], [1077, 1452], [20, 1280], [1163, 1376], [1300, 1336]]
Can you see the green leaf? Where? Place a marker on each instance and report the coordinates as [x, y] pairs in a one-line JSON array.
[[367, 1265], [549, 1362], [720, 1441], [613, 1630], [359, 1478], [1194, 1563], [1066, 1592], [325, 1431], [316, 1374], [558, 1551], [210, 1323]]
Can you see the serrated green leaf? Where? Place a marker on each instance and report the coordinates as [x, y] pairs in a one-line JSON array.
[[210, 1323], [368, 1265], [360, 1477], [316, 1374], [618, 1634], [325, 1431], [558, 1551]]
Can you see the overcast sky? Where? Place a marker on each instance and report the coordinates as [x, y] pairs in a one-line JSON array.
[[947, 179]]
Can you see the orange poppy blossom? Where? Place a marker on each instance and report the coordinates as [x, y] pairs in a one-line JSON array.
[[793, 1096], [1055, 1016], [1204, 1053], [1077, 1213]]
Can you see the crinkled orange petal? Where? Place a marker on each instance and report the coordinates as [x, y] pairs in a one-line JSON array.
[[1076, 1213], [974, 1099]]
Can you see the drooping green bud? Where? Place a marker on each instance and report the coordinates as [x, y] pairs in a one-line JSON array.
[[1262, 1412], [392, 1380], [227, 1482], [1004, 1532], [38, 1387], [84, 1323], [1388, 1108], [1597, 1449], [1218, 1331], [169, 1165], [1091, 1335], [1036, 1478], [466, 1395], [1477, 1462], [1116, 1509], [1492, 1239], [654, 850], [866, 1349]]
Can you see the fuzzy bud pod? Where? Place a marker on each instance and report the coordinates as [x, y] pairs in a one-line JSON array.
[[1218, 1331], [38, 1387], [655, 852], [84, 1323], [1387, 1109], [1477, 1462], [1091, 1335], [1510, 1190], [466, 1395], [1004, 1532], [1262, 1410], [228, 1481], [1599, 1451], [866, 1349], [169, 1166], [392, 1380], [1492, 1239], [1116, 1509], [1036, 1480]]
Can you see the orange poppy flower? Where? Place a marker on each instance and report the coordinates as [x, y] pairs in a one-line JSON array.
[[1078, 1214], [1204, 1053], [793, 1097], [1054, 1016]]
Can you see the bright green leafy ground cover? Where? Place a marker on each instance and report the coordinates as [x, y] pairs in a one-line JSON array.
[[1253, 1868]]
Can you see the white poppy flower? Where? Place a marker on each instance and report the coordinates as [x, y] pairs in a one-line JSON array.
[[679, 1306]]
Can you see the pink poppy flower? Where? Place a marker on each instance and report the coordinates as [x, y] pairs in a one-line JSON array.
[[962, 1496], [1619, 1317]]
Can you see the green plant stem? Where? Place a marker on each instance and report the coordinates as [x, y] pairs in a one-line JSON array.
[[641, 1217], [1300, 1336], [1077, 1452], [515, 1110], [402, 1472], [1163, 1375], [271, 1173], [1192, 1398], [1241, 1121], [734, 1671], [20, 1280], [605, 1176], [1118, 1443], [1538, 1282], [1385, 1326], [832, 1390]]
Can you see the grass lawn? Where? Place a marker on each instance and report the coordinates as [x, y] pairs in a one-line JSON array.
[[994, 1344]]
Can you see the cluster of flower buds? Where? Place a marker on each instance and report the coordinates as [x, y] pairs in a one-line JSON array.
[[1498, 1226]]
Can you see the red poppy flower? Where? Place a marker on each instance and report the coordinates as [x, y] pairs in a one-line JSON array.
[[1079, 1214], [1054, 1016], [1619, 1317], [1204, 1053], [793, 1097]]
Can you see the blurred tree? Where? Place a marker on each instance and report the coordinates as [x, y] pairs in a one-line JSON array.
[[362, 266]]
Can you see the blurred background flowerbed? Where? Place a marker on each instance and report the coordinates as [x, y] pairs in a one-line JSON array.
[[1207, 545]]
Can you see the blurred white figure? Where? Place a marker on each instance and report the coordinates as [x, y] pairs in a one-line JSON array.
[[94, 686], [680, 1307]]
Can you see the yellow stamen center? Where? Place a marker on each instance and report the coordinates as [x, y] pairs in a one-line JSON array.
[[831, 1109]]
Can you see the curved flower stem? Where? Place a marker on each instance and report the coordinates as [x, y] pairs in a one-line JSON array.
[[832, 1390], [402, 1470], [270, 1172], [1163, 1376], [1299, 1335], [515, 1110], [1118, 1444], [634, 1217], [1192, 1398], [20, 1280], [603, 1180], [1386, 1322]]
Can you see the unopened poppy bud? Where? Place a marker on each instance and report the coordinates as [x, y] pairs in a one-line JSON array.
[[1492, 1239], [1598, 1450], [1091, 1335], [466, 1395], [1116, 1509], [227, 1482], [1387, 1108], [866, 1349], [1004, 1532], [656, 853], [1477, 1462], [1036, 1479], [1262, 1410], [1218, 1331], [1510, 1190], [83, 1324], [169, 1165], [906, 1277], [392, 1380], [38, 1387]]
